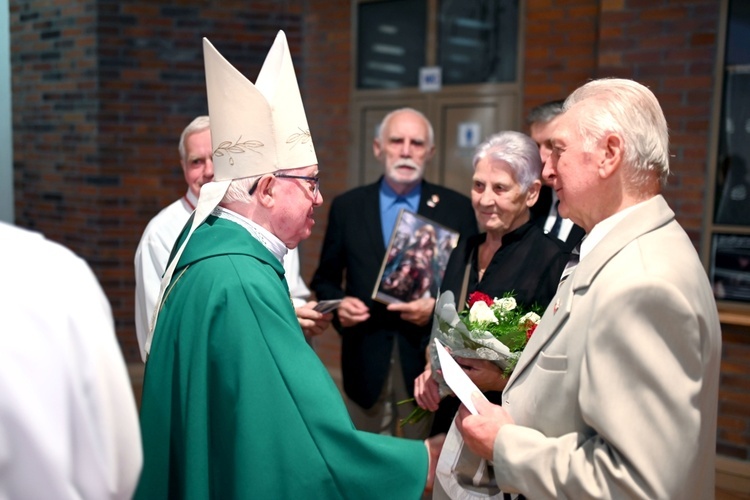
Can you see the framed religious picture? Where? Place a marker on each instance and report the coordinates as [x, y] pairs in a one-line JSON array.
[[415, 261]]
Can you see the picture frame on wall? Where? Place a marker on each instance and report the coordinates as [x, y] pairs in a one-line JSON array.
[[730, 267]]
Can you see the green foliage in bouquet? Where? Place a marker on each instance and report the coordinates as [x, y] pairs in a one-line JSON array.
[[501, 318], [495, 329]]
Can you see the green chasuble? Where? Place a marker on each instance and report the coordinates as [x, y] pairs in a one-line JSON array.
[[235, 402]]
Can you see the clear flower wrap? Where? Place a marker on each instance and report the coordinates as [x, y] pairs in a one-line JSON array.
[[477, 342], [495, 330]]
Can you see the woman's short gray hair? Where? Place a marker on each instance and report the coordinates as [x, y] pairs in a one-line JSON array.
[[517, 150]]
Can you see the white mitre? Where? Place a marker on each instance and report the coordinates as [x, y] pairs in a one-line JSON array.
[[255, 130]]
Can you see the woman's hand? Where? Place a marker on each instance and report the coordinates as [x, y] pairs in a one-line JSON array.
[[426, 390], [485, 374]]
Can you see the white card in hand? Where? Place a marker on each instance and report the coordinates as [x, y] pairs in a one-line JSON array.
[[326, 306], [456, 378]]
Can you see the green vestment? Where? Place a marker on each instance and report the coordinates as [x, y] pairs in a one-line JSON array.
[[237, 405]]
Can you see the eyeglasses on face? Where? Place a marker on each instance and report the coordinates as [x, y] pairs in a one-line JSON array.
[[314, 182]]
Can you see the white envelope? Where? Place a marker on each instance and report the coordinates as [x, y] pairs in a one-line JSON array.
[[456, 378]]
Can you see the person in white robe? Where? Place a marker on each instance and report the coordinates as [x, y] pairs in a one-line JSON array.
[[68, 418]]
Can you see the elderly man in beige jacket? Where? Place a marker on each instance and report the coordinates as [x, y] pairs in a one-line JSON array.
[[615, 396]]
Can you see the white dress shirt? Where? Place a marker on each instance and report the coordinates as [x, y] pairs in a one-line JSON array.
[[565, 224]]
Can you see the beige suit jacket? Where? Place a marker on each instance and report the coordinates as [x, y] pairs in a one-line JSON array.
[[615, 396]]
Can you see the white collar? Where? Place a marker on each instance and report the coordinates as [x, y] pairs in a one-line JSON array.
[[191, 198], [271, 242], [599, 231]]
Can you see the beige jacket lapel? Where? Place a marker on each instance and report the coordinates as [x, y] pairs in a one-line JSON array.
[[652, 214]]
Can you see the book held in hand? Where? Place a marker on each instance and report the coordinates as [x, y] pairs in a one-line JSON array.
[[415, 260]]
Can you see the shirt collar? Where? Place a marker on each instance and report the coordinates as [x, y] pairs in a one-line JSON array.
[[511, 237], [271, 242], [599, 231], [389, 196], [191, 199], [518, 233]]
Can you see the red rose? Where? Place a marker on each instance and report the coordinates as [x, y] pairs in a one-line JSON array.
[[530, 331], [479, 297]]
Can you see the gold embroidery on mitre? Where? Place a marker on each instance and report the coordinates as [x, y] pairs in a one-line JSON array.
[[237, 148], [301, 137]]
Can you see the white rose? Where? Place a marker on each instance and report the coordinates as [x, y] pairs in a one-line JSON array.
[[480, 312], [505, 304], [529, 317]]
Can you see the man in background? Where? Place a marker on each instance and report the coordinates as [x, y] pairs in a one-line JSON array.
[[196, 159], [383, 347], [542, 120], [68, 418], [615, 395]]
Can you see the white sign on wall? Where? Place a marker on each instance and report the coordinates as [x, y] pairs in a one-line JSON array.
[[430, 78], [469, 134]]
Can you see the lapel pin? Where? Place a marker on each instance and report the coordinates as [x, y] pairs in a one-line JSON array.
[[556, 306], [434, 200]]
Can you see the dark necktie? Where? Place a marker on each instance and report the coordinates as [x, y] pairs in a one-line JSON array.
[[555, 231], [575, 256]]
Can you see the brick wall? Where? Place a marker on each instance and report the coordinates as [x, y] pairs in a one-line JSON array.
[[101, 93], [327, 84], [560, 48], [53, 57], [671, 47], [733, 438]]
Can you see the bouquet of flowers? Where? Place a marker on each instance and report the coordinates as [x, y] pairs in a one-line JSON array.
[[494, 329]]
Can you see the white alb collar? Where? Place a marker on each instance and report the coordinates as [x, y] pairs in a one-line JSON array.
[[271, 242], [191, 198]]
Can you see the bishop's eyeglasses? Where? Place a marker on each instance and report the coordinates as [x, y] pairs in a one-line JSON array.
[[314, 182]]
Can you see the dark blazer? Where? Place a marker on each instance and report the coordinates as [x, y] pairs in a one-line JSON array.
[[540, 211], [350, 261]]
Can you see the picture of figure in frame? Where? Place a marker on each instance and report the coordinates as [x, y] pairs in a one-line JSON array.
[[415, 260]]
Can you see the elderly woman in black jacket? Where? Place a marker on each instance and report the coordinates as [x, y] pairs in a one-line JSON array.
[[511, 254]]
